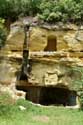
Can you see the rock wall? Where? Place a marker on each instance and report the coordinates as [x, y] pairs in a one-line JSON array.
[[66, 44], [53, 53], [65, 39], [10, 62]]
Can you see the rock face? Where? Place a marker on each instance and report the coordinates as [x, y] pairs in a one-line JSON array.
[[53, 51], [41, 38], [10, 62]]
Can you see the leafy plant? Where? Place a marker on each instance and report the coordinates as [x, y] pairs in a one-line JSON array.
[[62, 10], [51, 11]]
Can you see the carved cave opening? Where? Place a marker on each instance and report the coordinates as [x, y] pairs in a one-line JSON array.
[[51, 44], [52, 96]]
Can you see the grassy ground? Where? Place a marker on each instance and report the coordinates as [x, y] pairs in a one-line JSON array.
[[11, 114]]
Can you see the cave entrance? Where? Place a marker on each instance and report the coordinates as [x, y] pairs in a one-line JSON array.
[[51, 43], [52, 96], [57, 96]]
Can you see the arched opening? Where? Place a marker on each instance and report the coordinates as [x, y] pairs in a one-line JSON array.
[[51, 43]]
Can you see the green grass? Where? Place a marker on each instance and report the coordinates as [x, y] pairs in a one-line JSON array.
[[10, 114]]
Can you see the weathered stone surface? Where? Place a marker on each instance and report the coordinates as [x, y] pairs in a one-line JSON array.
[[11, 90], [64, 40], [50, 78], [47, 74], [46, 69], [38, 39], [7, 72], [67, 37], [79, 35], [73, 43], [15, 41]]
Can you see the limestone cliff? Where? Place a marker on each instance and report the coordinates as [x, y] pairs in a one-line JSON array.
[[53, 51]]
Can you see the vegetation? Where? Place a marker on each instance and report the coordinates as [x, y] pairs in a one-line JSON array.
[[53, 11], [11, 114], [13, 9], [62, 10]]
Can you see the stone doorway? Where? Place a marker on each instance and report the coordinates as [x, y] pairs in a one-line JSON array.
[[52, 96], [51, 43]]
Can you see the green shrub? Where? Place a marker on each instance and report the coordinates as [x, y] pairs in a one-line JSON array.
[[62, 10], [51, 11], [53, 17]]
